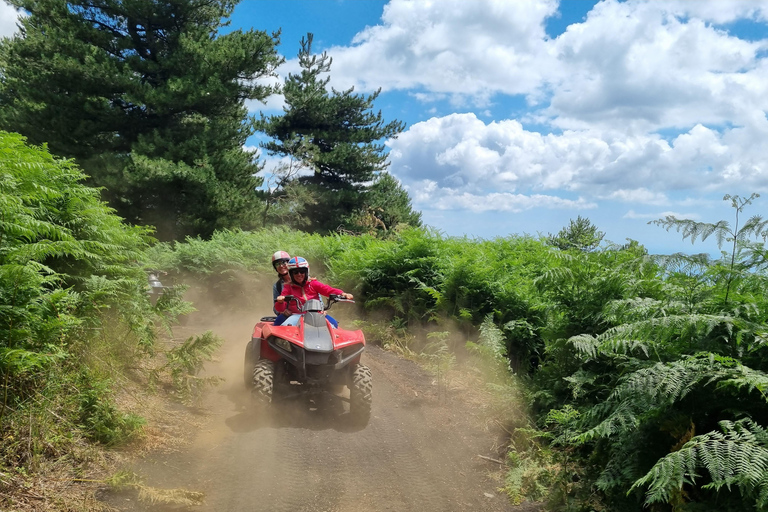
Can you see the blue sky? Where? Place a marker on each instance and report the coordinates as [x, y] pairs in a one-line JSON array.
[[523, 115]]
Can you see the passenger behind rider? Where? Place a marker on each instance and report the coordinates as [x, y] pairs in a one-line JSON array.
[[280, 264], [303, 288]]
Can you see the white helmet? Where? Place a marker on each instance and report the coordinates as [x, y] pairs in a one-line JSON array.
[[280, 257]]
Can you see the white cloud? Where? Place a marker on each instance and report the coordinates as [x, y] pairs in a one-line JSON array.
[[721, 12], [450, 46], [430, 196], [465, 160], [631, 214], [639, 195], [639, 65], [273, 105], [8, 17]]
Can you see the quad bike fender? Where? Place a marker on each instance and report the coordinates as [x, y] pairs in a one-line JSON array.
[[261, 349], [266, 351], [287, 332], [258, 329], [352, 357], [252, 352], [344, 338]]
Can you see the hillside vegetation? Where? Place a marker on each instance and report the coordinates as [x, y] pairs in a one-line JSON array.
[[645, 374], [75, 317]]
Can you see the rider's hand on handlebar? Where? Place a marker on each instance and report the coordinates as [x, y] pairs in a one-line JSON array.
[[348, 296], [280, 298]]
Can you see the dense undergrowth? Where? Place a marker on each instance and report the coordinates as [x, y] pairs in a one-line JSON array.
[[75, 318], [645, 375]]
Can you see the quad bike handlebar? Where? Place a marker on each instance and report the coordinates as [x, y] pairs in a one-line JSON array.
[[338, 298], [332, 299]]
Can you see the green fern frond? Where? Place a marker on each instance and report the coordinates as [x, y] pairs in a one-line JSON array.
[[580, 380], [651, 333], [585, 344], [670, 382], [654, 388], [17, 360], [393, 302], [681, 263], [492, 338], [735, 457], [555, 276], [695, 230], [756, 226], [660, 386], [187, 360], [747, 378], [623, 417]]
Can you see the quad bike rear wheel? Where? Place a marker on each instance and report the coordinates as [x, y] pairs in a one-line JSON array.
[[263, 382], [360, 394]]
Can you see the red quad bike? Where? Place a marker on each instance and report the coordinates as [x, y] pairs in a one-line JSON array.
[[312, 358]]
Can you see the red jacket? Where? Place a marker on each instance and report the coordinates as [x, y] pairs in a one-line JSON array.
[[311, 290]]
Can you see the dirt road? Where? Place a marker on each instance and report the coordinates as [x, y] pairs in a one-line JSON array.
[[421, 450]]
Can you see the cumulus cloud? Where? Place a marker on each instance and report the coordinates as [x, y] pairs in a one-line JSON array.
[[638, 195], [642, 65], [646, 65], [462, 159], [430, 196], [720, 12], [451, 46], [272, 105]]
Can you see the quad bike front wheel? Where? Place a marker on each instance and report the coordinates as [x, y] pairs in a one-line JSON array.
[[251, 357], [360, 394], [263, 382]]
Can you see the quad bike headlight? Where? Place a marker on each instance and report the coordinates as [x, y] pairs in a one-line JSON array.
[[283, 344]]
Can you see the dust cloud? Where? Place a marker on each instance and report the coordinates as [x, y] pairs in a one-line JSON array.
[[418, 450], [229, 309]]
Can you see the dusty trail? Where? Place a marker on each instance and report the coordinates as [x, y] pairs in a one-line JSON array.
[[417, 453]]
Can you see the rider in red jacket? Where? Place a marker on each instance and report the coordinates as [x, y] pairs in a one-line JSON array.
[[302, 288]]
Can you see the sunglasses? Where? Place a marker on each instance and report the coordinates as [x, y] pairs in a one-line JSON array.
[[280, 263], [298, 271]]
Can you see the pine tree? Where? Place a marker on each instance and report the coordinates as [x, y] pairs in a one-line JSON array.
[[334, 135], [149, 99], [386, 205], [580, 234]]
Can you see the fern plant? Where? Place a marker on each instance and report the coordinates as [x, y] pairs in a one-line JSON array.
[[737, 236], [185, 362], [73, 295], [660, 383], [733, 457], [666, 374]]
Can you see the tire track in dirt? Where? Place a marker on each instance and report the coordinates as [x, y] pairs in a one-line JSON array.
[[416, 453]]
